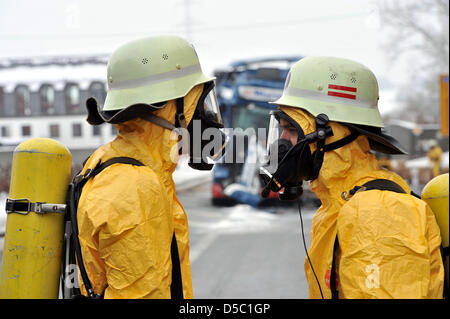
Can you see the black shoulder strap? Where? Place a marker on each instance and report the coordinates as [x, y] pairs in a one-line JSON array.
[[176, 287], [122, 160], [115, 160], [444, 255], [333, 285], [382, 185]]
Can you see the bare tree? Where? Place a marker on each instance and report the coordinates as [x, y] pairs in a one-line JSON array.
[[418, 29], [420, 26]]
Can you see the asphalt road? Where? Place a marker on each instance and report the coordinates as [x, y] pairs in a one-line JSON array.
[[240, 252]]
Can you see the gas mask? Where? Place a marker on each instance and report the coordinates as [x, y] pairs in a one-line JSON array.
[[289, 165], [207, 142]]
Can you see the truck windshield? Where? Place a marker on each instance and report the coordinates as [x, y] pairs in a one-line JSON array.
[[250, 116]]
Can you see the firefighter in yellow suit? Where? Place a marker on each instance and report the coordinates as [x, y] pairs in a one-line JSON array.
[[435, 157], [127, 214], [387, 243]]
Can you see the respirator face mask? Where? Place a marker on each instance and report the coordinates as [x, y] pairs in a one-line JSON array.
[[207, 140], [289, 165]]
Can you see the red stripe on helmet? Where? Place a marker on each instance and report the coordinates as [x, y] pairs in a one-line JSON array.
[[341, 87], [344, 95]]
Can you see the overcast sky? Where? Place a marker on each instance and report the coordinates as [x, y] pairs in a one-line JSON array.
[[221, 31]]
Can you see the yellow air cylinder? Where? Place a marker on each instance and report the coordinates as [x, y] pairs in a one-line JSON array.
[[435, 193], [32, 249]]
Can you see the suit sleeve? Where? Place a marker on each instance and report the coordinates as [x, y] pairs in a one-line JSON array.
[[389, 248]]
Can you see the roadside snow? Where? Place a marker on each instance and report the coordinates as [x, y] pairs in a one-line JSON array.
[[245, 219], [425, 162]]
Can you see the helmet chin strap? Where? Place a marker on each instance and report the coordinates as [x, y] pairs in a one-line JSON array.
[[158, 121], [180, 122], [180, 119], [322, 132]]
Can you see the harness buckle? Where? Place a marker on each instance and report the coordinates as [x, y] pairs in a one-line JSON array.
[[10, 203], [23, 206], [346, 196]]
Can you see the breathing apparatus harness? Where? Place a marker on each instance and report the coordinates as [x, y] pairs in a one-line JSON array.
[[382, 185], [72, 248]]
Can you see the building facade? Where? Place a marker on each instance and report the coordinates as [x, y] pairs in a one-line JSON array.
[[48, 100]]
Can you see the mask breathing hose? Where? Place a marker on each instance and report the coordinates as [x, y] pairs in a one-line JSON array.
[[306, 249], [303, 238]]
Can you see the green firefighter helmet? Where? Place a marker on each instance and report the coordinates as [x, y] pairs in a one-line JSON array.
[[152, 70], [344, 90]]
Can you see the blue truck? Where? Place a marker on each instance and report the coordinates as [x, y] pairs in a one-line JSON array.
[[243, 92]]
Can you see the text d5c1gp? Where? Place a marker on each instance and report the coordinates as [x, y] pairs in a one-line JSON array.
[[245, 308]]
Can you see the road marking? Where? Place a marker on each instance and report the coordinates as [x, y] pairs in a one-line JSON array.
[[198, 249]]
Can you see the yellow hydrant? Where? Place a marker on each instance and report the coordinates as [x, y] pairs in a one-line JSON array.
[[40, 175], [435, 193]]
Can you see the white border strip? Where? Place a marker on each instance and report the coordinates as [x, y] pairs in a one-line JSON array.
[[156, 78]]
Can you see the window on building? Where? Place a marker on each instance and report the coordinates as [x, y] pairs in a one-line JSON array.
[[2, 102], [96, 130], [22, 99], [5, 131], [54, 130], [47, 99], [72, 98], [76, 130], [97, 90], [26, 130]]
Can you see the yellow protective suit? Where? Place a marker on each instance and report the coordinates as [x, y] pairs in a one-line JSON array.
[[388, 242], [384, 162], [127, 214]]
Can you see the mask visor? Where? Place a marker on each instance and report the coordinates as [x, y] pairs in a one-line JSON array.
[[274, 131], [210, 111]]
